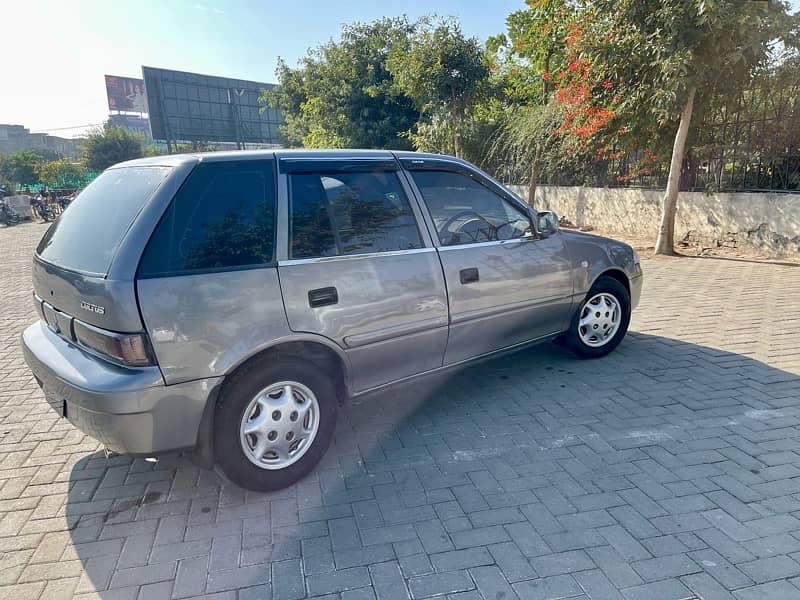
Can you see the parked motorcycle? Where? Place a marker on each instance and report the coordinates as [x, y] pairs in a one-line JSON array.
[[43, 209], [7, 216]]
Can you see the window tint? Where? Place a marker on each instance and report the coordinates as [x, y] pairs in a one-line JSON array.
[[335, 214], [223, 217], [466, 212], [86, 237]]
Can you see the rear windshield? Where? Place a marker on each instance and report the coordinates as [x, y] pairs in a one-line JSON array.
[[87, 235]]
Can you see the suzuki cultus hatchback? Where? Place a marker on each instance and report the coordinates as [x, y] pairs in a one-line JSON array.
[[228, 303]]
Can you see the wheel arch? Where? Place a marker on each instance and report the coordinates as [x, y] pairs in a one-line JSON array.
[[614, 273], [316, 349]]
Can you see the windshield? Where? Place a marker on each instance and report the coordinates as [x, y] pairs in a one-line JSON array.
[[87, 235]]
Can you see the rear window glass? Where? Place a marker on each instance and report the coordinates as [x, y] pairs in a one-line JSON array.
[[223, 218], [87, 235]]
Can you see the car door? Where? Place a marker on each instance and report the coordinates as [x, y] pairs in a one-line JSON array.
[[360, 269], [506, 284]]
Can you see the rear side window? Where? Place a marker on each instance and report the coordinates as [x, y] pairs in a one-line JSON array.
[[86, 237], [336, 214], [222, 218]]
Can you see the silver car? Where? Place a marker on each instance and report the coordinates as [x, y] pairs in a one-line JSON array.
[[228, 303]]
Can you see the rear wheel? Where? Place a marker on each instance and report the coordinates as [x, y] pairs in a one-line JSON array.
[[274, 422], [601, 321]]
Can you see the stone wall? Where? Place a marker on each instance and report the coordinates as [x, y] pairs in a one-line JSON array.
[[768, 223]]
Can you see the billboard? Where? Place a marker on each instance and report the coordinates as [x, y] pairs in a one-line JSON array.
[[203, 108], [126, 94], [135, 123]]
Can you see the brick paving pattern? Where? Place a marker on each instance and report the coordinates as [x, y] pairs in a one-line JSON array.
[[668, 470]]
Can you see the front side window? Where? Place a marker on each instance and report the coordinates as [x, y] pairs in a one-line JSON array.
[[222, 218], [337, 214], [466, 212]]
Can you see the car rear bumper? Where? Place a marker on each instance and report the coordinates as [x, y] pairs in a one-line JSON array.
[[128, 410]]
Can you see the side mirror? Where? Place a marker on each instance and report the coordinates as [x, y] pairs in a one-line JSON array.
[[547, 223]]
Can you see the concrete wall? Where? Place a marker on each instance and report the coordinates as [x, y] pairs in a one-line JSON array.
[[764, 222]]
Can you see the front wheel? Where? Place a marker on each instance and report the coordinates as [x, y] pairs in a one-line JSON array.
[[274, 422], [601, 321]]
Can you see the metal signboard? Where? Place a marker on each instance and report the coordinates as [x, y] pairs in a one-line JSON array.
[[126, 94], [187, 107]]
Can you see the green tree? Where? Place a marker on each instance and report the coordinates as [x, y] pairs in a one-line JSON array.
[[21, 167], [665, 58], [444, 72], [525, 61], [109, 146], [342, 95], [61, 172]]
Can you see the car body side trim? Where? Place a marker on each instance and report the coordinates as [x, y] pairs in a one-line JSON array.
[[388, 333], [326, 259], [461, 363], [519, 240], [503, 309]]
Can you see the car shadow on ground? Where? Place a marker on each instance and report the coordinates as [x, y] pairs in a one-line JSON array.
[[544, 465]]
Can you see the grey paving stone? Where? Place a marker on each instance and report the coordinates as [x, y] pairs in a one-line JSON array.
[[433, 536], [287, 580], [563, 562], [514, 565], [729, 526], [548, 588], [497, 516], [528, 539], [614, 567], [492, 583], [234, 579], [337, 581], [776, 590], [388, 581], [664, 567], [388, 534], [440, 584], [666, 589], [597, 586], [458, 560], [359, 557], [143, 575], [706, 587], [479, 537], [720, 569], [415, 564], [624, 543], [770, 569]]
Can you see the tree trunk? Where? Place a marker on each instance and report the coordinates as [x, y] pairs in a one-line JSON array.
[[666, 232], [454, 116], [535, 165]]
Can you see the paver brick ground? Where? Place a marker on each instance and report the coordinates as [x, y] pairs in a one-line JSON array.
[[670, 469]]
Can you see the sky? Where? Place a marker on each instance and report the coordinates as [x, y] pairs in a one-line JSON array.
[[55, 53]]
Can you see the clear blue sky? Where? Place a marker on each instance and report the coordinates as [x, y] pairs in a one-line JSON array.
[[56, 52]]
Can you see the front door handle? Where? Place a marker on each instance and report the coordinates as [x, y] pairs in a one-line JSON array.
[[323, 297], [469, 275]]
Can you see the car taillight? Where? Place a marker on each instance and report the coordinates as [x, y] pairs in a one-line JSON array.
[[131, 349]]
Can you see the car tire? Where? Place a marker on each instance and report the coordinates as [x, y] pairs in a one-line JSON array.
[[606, 299], [272, 410]]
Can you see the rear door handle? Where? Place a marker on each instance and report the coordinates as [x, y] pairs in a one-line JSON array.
[[323, 297], [469, 275]]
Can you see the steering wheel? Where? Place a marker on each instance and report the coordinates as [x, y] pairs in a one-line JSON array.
[[508, 223], [466, 213]]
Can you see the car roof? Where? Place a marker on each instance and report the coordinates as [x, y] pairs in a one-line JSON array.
[[173, 160]]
